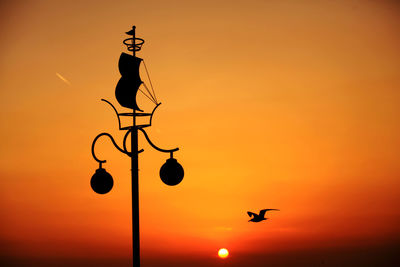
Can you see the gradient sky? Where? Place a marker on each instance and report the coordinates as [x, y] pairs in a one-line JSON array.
[[289, 104]]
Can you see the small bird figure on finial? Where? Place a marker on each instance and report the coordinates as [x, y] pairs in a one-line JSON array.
[[259, 217]]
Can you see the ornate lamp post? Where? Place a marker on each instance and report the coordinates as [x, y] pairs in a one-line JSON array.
[[171, 172]]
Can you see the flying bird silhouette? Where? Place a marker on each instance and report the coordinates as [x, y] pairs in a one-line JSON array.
[[259, 217]]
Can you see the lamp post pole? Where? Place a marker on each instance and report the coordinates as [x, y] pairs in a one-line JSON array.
[[135, 180], [135, 196], [171, 172]]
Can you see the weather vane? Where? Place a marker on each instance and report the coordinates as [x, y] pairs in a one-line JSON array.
[[130, 83]]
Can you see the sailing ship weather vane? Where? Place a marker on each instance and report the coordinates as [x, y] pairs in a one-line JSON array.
[[130, 83]]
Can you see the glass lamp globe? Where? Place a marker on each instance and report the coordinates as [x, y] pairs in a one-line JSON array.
[[171, 173], [101, 182]]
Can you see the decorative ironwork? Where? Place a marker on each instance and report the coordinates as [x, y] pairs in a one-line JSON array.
[[171, 173]]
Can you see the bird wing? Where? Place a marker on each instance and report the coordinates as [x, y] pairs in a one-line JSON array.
[[262, 212], [251, 214]]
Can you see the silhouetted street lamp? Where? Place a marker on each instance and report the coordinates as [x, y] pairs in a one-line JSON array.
[[171, 172]]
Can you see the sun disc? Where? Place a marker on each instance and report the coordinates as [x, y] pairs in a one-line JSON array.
[[223, 253]]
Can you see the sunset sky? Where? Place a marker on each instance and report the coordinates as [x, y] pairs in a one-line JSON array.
[[286, 104]]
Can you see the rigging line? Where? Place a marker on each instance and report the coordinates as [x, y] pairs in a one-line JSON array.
[[151, 99], [147, 96], [151, 84], [148, 91]]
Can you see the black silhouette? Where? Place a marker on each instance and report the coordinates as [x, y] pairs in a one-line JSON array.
[[259, 217], [130, 83], [101, 182], [171, 172]]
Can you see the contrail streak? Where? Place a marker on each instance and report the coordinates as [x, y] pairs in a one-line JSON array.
[[62, 78]]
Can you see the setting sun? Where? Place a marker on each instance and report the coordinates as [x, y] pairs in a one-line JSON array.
[[223, 253]]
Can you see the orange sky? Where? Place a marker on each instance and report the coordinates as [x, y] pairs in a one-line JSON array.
[[274, 104]]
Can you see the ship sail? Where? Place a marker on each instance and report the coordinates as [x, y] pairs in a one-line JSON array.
[[129, 84]]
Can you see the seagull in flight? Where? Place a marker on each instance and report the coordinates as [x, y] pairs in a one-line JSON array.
[[259, 217]]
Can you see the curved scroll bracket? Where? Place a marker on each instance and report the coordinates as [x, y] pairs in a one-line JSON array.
[[114, 143], [156, 147]]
